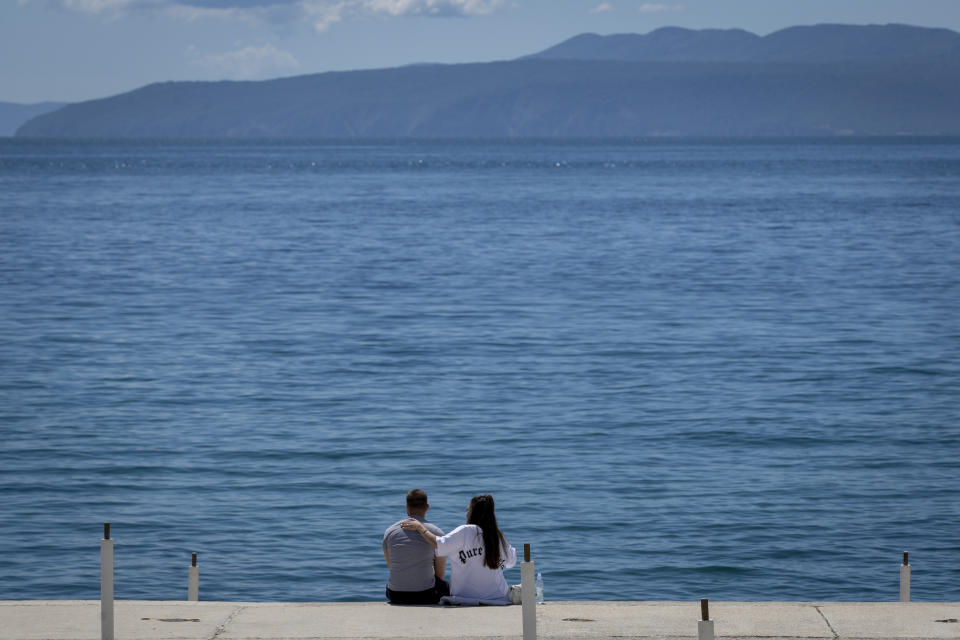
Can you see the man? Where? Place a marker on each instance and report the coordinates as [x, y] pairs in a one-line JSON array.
[[416, 572]]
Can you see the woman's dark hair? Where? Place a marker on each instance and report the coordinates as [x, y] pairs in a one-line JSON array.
[[482, 515]]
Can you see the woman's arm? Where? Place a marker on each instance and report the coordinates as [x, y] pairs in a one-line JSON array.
[[412, 524]]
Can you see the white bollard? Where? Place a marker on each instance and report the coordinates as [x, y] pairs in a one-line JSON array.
[[705, 626], [193, 584], [905, 578], [106, 584], [528, 595]]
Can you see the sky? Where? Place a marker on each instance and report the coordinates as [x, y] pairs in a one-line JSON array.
[[74, 50]]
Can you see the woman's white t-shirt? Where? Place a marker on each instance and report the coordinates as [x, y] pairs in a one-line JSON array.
[[469, 577]]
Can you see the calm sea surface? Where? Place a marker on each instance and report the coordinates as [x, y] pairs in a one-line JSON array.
[[684, 369]]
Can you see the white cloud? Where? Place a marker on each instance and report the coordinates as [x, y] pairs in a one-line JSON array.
[[189, 13], [428, 7], [321, 14], [653, 7], [245, 64], [97, 6], [602, 7], [182, 8]]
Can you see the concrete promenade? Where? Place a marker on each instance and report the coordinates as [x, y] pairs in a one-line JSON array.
[[153, 620]]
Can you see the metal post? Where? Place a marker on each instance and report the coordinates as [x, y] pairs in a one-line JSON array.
[[705, 626], [193, 585], [528, 595], [905, 578], [106, 584]]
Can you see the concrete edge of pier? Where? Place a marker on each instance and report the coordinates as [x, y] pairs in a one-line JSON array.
[[164, 620]]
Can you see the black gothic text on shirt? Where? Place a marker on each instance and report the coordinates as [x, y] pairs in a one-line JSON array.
[[470, 553]]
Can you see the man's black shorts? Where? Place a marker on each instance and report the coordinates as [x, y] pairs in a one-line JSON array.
[[430, 596]]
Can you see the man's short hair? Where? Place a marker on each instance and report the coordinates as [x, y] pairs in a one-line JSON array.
[[417, 499]]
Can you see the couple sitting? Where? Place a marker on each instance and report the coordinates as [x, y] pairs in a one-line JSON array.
[[416, 552]]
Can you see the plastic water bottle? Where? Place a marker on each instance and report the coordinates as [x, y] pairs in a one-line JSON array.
[[539, 586]]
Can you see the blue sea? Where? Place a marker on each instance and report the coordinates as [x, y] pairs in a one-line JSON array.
[[684, 368]]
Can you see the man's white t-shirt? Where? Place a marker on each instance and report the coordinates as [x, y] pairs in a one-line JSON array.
[[469, 577]]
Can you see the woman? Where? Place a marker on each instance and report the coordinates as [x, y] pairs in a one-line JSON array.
[[479, 553]]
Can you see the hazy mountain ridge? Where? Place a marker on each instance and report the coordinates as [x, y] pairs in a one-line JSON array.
[[540, 96], [815, 44]]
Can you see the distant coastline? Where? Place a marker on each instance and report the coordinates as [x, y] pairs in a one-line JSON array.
[[13, 114], [824, 80]]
